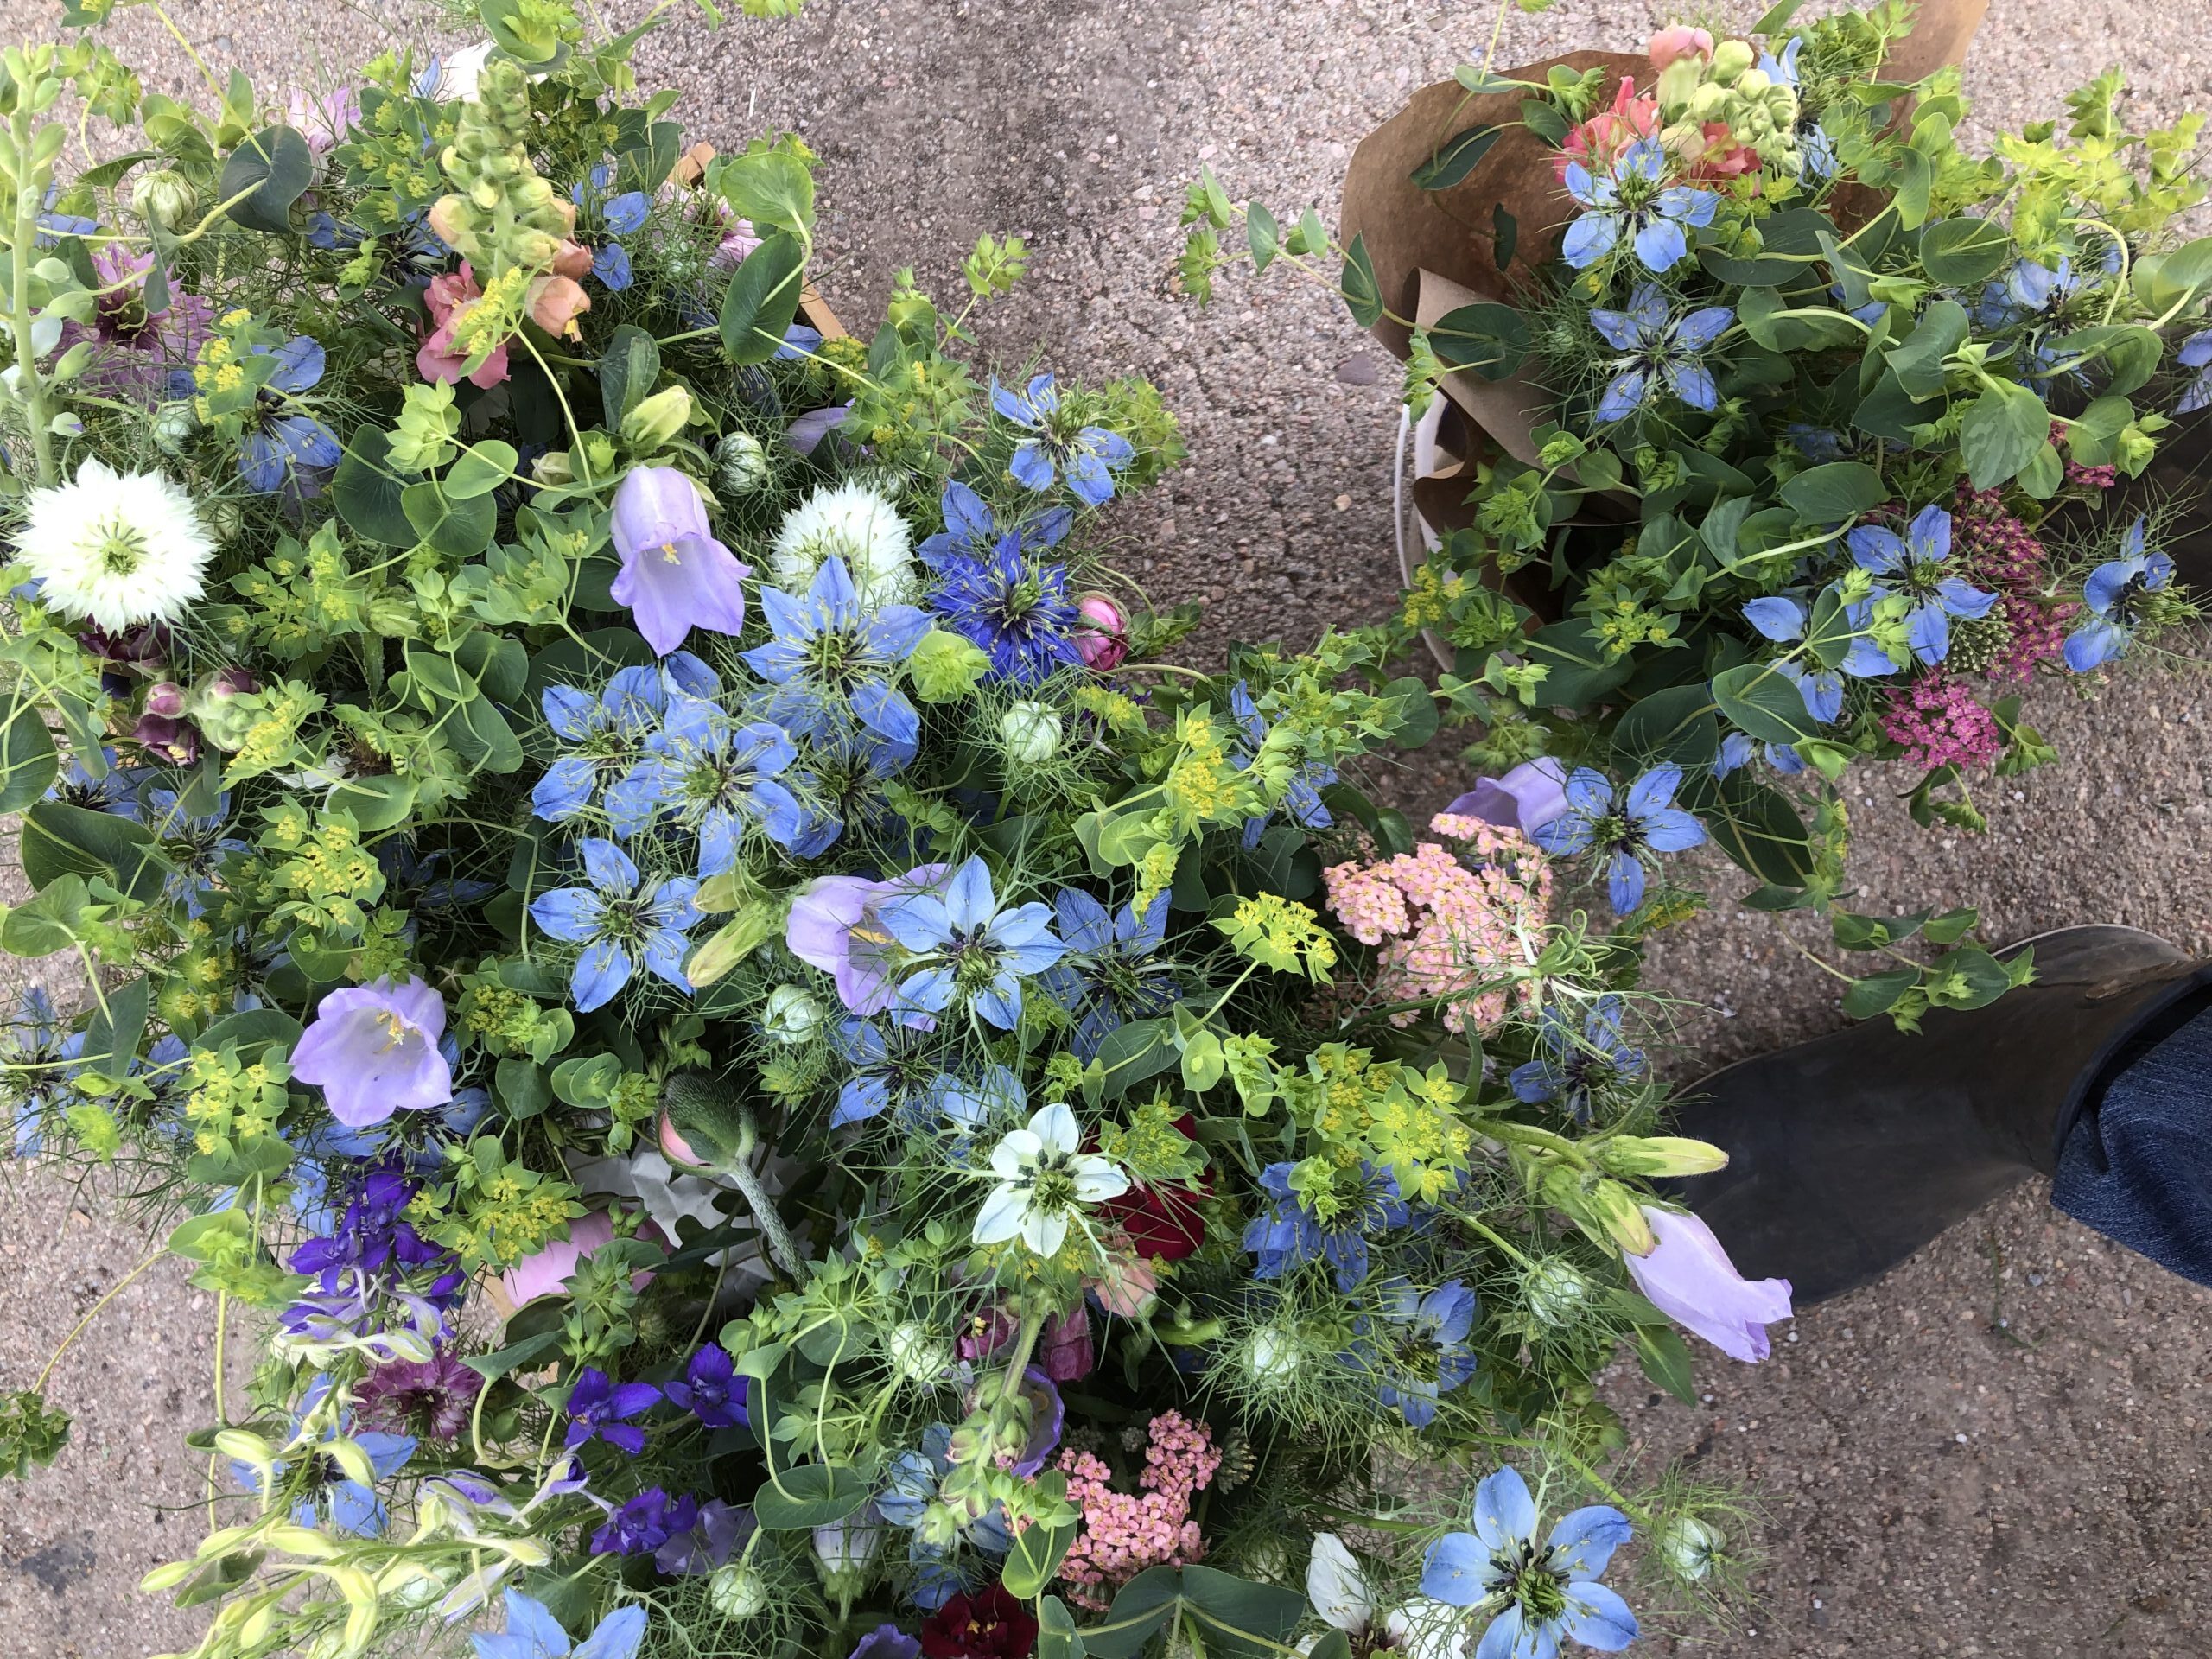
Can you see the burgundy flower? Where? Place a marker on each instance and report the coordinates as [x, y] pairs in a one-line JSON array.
[[992, 1625], [1163, 1221], [431, 1399]]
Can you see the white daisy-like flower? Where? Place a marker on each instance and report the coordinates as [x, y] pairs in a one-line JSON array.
[[1044, 1174], [858, 523], [119, 549]]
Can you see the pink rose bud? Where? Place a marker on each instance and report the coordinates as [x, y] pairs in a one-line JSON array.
[[1680, 41], [165, 700], [1101, 633]]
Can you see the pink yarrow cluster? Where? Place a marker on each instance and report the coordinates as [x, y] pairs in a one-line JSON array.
[[1124, 1533], [1452, 919], [1941, 724], [1998, 552]]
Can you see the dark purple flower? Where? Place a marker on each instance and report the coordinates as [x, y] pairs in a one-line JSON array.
[[373, 1049], [675, 576], [371, 1233], [431, 1399], [645, 1524], [887, 1641], [711, 1389], [1049, 1416], [599, 1407], [723, 1528]]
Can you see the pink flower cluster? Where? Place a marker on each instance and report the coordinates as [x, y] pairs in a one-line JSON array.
[[1124, 1533], [1941, 724], [2002, 554], [1452, 919]]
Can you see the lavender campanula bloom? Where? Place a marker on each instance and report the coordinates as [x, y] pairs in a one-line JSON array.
[[1526, 798], [1689, 1278], [675, 575], [373, 1050]]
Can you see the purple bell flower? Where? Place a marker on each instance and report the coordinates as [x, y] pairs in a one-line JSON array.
[[1526, 798], [1689, 1278], [675, 575], [373, 1049]]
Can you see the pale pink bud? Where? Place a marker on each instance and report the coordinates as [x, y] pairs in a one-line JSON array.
[[165, 700], [1679, 40], [556, 303]]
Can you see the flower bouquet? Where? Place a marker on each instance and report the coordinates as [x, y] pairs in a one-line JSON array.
[[779, 1082], [1766, 430]]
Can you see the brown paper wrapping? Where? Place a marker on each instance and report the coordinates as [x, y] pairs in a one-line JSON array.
[[1435, 250]]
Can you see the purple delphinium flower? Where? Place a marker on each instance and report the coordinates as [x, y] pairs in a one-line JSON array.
[[430, 1398], [1108, 975], [1659, 350], [711, 1389], [675, 576], [599, 1408], [828, 655], [1047, 1417], [373, 1273], [1689, 1277], [532, 1632], [887, 1642], [648, 1521], [373, 1050], [620, 919], [1641, 818], [1301, 801], [1571, 1068], [968, 948], [1632, 197], [1088, 456], [1418, 1349], [1914, 564], [720, 1532], [1526, 798], [2112, 598], [1289, 1233], [281, 438], [1549, 1592]]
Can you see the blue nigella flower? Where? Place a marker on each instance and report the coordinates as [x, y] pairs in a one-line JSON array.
[[2112, 596], [829, 653], [2031, 288], [1286, 1233], [959, 1107], [1301, 802], [113, 789], [1419, 1348], [708, 773], [888, 1069], [532, 1632], [599, 1408], [1915, 568], [1661, 351], [1108, 975], [330, 1497], [970, 950], [193, 845], [1784, 618], [607, 730], [281, 438], [642, 1525], [1737, 749], [841, 785], [711, 1389], [1641, 818], [1012, 605], [619, 923], [971, 527], [620, 214], [1630, 199], [1544, 1594], [2196, 354], [1571, 1067], [1821, 689], [1089, 458]]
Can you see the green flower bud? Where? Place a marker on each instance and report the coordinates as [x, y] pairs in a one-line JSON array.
[[1660, 1155], [1272, 1354], [656, 420], [1031, 732], [741, 464], [2133, 449], [1688, 1546], [916, 1353], [165, 200], [738, 1591], [793, 1015], [1556, 1291], [1708, 103], [1732, 59], [1753, 83], [1679, 82], [173, 425]]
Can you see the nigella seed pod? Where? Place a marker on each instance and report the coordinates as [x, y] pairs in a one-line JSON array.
[[741, 464], [738, 1591], [163, 199]]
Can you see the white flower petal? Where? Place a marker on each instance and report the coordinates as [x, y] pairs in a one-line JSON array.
[[1337, 1587], [1017, 1152], [1056, 1128], [1045, 1230], [1002, 1216], [1097, 1178]]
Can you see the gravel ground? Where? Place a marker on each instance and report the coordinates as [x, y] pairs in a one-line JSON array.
[[1998, 1451]]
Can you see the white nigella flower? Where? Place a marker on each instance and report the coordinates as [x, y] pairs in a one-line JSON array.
[[119, 549], [857, 523], [1043, 1175], [1338, 1588]]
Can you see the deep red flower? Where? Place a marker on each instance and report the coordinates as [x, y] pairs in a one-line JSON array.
[[994, 1625], [1163, 1221]]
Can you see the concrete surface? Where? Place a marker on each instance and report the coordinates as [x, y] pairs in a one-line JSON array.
[[1940, 1483]]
